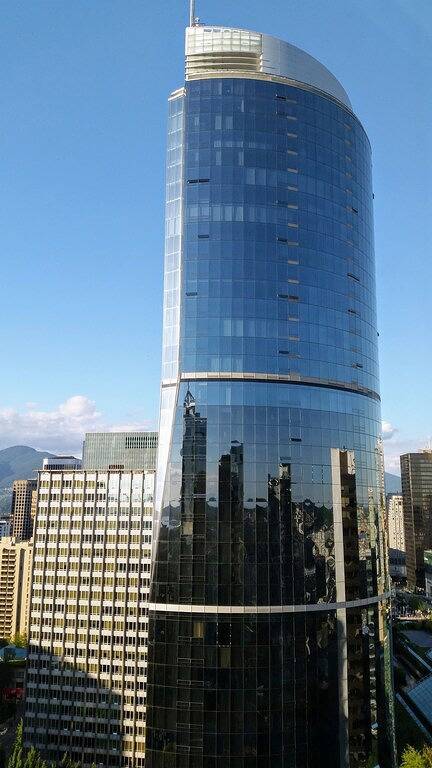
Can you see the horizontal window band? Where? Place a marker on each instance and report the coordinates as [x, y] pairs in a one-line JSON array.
[[280, 79], [255, 609], [277, 378]]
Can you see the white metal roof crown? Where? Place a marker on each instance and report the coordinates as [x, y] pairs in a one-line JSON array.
[[212, 51]]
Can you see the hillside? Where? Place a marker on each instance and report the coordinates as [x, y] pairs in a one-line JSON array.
[[17, 463], [392, 483]]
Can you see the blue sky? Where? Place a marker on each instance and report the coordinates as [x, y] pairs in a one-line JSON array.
[[84, 88]]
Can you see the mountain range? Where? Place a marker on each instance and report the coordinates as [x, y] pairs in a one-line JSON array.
[[17, 463], [392, 483]]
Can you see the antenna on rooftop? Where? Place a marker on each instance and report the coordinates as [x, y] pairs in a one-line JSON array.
[[192, 17]]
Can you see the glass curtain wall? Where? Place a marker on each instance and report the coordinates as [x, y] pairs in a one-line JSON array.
[[268, 638]]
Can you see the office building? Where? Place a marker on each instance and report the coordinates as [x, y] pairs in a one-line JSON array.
[[427, 560], [120, 450], [61, 462], [15, 585], [21, 509], [268, 637], [86, 681], [416, 471], [396, 536], [395, 521], [5, 527]]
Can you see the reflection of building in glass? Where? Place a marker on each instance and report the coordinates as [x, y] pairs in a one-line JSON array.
[[416, 471], [119, 450], [396, 536], [268, 639], [86, 680], [191, 574]]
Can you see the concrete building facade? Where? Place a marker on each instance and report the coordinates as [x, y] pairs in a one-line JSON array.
[[86, 681], [395, 521], [396, 537], [15, 586], [21, 509]]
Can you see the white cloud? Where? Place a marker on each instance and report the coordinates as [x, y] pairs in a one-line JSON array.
[[60, 430], [393, 450], [388, 430]]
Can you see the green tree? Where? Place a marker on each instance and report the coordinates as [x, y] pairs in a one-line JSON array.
[[33, 758], [20, 640], [67, 762], [16, 757], [414, 758], [427, 757]]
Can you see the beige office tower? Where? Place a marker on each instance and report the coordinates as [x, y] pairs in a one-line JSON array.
[[86, 682], [15, 585], [21, 510], [395, 521]]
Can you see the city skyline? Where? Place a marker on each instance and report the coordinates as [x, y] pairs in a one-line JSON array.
[[75, 225]]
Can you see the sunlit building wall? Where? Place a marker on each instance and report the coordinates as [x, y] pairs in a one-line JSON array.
[[86, 681]]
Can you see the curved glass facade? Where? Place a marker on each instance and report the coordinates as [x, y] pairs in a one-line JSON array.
[[268, 617]]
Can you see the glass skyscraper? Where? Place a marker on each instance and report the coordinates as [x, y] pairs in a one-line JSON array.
[[268, 633], [416, 472]]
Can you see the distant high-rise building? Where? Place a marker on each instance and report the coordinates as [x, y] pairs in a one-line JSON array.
[[21, 509], [86, 681], [268, 633], [396, 536], [416, 471], [427, 560], [395, 521], [120, 450], [15, 584], [5, 527]]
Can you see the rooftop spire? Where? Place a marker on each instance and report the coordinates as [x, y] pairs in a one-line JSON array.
[[191, 13]]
